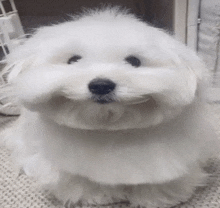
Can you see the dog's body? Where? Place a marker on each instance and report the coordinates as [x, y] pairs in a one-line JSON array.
[[112, 109]]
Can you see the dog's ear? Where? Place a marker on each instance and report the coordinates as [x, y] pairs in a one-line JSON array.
[[11, 71], [25, 55], [21, 58], [196, 66], [189, 61]]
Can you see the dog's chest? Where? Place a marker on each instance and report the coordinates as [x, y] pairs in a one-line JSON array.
[[127, 157]]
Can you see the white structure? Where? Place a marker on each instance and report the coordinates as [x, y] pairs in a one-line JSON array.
[[186, 21], [11, 31]]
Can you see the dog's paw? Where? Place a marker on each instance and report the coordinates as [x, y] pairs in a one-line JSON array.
[[79, 191], [103, 200], [70, 204], [98, 200], [168, 194]]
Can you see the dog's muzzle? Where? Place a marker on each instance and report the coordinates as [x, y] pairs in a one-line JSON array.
[[102, 90]]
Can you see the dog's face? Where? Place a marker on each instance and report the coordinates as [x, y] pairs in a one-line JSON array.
[[105, 71]]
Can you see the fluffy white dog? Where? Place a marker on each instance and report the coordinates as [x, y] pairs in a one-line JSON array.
[[112, 110]]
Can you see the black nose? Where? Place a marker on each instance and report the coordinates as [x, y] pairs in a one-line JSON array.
[[101, 86]]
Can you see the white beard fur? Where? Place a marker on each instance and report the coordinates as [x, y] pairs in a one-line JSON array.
[[146, 147]]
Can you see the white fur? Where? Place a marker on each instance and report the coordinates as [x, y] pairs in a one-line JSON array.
[[145, 147]]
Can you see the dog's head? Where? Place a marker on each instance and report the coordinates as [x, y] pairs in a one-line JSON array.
[[105, 70]]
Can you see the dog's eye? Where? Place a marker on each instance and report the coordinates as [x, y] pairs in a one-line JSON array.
[[134, 61], [74, 59]]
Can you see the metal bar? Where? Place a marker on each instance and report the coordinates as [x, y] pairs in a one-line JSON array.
[[180, 19], [3, 47], [192, 23], [3, 9], [12, 12], [13, 5]]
